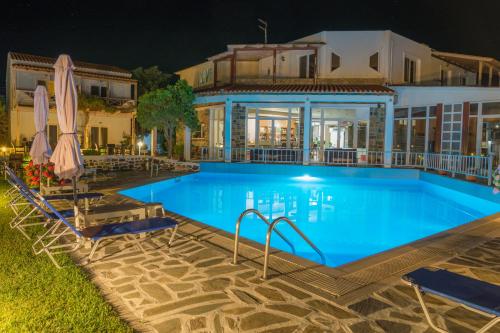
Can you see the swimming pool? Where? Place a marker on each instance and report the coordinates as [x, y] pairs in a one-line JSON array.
[[347, 215]]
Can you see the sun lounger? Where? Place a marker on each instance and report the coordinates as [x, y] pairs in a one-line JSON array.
[[476, 295], [132, 230]]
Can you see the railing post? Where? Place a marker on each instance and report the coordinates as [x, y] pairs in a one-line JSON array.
[[425, 161], [490, 169]]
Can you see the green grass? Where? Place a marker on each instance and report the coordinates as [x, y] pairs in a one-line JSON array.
[[35, 296]]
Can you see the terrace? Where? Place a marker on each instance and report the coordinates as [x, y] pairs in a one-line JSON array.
[[193, 286]]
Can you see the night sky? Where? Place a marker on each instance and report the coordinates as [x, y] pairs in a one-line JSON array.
[[177, 34]]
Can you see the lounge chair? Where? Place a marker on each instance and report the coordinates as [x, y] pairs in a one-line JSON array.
[[476, 295], [133, 230]]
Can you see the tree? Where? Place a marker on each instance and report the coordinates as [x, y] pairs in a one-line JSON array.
[[150, 79], [166, 108], [4, 122]]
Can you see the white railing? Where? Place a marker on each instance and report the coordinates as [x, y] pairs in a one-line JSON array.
[[475, 166], [211, 153]]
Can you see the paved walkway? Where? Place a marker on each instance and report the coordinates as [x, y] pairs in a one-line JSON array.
[[193, 287]]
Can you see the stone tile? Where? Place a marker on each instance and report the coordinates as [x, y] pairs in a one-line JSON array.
[[463, 315], [131, 270], [290, 308], [287, 329], [176, 272], [486, 275], [121, 281], [362, 327], [202, 255], [185, 294], [405, 317], [133, 260], [217, 325], [169, 326], [457, 328], [368, 306], [238, 310], [180, 286], [396, 298], [208, 263], [198, 310], [134, 294], [223, 269], [156, 291], [290, 290], [217, 284], [260, 319], [246, 297], [231, 323], [391, 326], [315, 329], [106, 265], [184, 302], [411, 293], [125, 288], [270, 294], [198, 323], [330, 309]]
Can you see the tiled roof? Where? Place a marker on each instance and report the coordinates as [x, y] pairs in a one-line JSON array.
[[299, 88], [78, 72], [80, 65]]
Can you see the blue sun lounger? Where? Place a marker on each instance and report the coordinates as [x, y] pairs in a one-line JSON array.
[[50, 243], [476, 295]]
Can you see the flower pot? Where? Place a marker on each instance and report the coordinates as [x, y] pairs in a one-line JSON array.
[[470, 178], [442, 172]]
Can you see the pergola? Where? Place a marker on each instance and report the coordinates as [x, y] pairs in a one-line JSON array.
[[256, 52], [471, 63]]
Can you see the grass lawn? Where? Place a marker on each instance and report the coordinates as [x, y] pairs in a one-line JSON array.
[[35, 296]]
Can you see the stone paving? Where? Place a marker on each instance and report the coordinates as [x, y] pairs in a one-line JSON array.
[[193, 287]]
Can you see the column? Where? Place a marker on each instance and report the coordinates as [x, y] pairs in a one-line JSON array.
[[389, 132], [479, 78], [187, 143], [133, 135], [465, 127], [439, 126], [427, 123], [228, 110], [154, 141], [479, 128], [307, 131]]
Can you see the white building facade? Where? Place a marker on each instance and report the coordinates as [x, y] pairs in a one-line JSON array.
[[96, 128], [344, 97]]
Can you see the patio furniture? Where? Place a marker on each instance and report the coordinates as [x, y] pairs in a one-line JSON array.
[[117, 213], [476, 295], [135, 231]]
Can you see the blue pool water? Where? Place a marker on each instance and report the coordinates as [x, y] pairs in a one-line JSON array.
[[348, 218]]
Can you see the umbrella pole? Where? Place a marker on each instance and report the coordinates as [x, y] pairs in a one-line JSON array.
[[75, 199]]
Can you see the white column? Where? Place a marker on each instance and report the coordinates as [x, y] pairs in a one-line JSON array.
[[389, 131], [427, 122], [408, 136], [187, 143], [211, 133], [307, 131], [227, 130], [479, 128], [490, 76]]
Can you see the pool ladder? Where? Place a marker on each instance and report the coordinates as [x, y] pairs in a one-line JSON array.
[[270, 228]]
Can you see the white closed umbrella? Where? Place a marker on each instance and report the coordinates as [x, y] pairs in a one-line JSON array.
[[40, 149], [67, 158]]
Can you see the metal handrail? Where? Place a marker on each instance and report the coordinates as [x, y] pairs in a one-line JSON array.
[[237, 233], [268, 242]]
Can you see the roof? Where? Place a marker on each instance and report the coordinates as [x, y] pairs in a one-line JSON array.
[[264, 48], [466, 61], [298, 88], [80, 66]]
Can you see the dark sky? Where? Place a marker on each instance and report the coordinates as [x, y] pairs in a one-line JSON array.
[[177, 34]]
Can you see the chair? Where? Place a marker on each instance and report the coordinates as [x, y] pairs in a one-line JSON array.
[[132, 230], [476, 295]]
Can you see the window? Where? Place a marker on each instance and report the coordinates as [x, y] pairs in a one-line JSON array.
[[400, 132], [451, 136], [312, 65], [401, 113], [303, 67], [335, 62], [492, 108], [94, 137], [94, 90], [104, 136], [374, 61], [473, 109], [104, 91], [132, 91], [443, 78], [41, 83], [410, 71], [307, 66]]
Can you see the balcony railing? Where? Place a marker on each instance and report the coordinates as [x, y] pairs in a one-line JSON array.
[[26, 97], [471, 166]]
